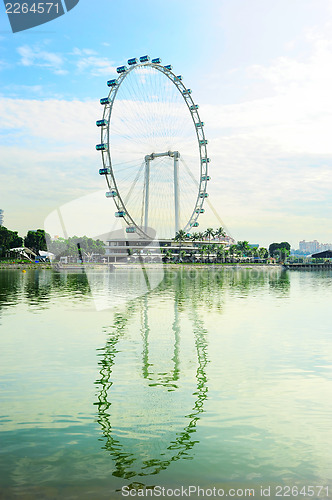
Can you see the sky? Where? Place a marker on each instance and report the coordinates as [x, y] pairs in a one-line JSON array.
[[260, 70]]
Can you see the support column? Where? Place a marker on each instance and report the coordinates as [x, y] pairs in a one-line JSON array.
[[176, 191], [147, 188]]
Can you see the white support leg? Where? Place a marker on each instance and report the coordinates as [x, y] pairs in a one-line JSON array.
[[176, 192], [148, 158], [147, 186]]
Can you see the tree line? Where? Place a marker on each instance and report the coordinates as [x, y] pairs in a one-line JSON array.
[[38, 241], [205, 248]]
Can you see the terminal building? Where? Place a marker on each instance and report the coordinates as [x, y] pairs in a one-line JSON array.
[[133, 248]]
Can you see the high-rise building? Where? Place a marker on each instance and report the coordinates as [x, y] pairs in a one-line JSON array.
[[314, 246], [1, 217], [309, 246]]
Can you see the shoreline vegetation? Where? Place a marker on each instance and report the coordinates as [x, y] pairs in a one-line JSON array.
[[213, 247]]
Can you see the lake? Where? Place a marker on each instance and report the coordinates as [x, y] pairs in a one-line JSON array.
[[218, 379]]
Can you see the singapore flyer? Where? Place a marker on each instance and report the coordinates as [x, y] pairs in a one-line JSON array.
[[154, 149]]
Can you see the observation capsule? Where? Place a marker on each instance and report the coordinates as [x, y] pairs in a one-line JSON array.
[[200, 124], [101, 123], [203, 141], [206, 177], [121, 213], [169, 67], [205, 160], [132, 61], [199, 210], [203, 195], [121, 69], [105, 100], [186, 92], [179, 77], [144, 59], [104, 171], [195, 224], [111, 194], [194, 107], [131, 229], [112, 83], [156, 61], [101, 147]]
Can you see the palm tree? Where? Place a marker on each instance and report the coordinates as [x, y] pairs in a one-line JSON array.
[[232, 250], [209, 232], [220, 252], [211, 249], [244, 248], [220, 233], [205, 250], [201, 236], [182, 255], [180, 236]]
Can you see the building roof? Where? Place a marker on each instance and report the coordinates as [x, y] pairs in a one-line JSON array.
[[327, 254]]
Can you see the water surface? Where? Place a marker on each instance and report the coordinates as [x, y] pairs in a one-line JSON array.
[[217, 378]]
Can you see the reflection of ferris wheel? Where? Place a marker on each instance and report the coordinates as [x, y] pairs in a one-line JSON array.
[[153, 149]]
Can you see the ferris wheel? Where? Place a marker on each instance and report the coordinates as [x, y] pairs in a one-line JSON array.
[[154, 150]]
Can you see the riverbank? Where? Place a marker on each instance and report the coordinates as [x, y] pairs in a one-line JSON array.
[[171, 265]]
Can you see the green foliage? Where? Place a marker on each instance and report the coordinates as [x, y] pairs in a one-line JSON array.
[[68, 246], [209, 233], [8, 239], [180, 236], [244, 248], [220, 233], [263, 253], [36, 241], [279, 250]]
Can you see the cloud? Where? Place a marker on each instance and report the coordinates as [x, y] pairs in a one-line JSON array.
[[271, 168], [96, 66], [82, 60], [34, 56], [88, 61], [66, 124]]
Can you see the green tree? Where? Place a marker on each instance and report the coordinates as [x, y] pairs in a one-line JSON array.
[[204, 251], [243, 248], [8, 239], [211, 250], [36, 240], [180, 236], [220, 233], [209, 233], [220, 253], [233, 250], [263, 253], [279, 250]]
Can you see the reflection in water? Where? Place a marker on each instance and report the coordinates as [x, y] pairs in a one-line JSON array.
[[130, 463], [39, 287], [249, 401]]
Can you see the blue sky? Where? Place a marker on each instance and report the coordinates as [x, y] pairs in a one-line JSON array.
[[260, 70]]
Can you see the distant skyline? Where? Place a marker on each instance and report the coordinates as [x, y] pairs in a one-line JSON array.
[[261, 72]]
